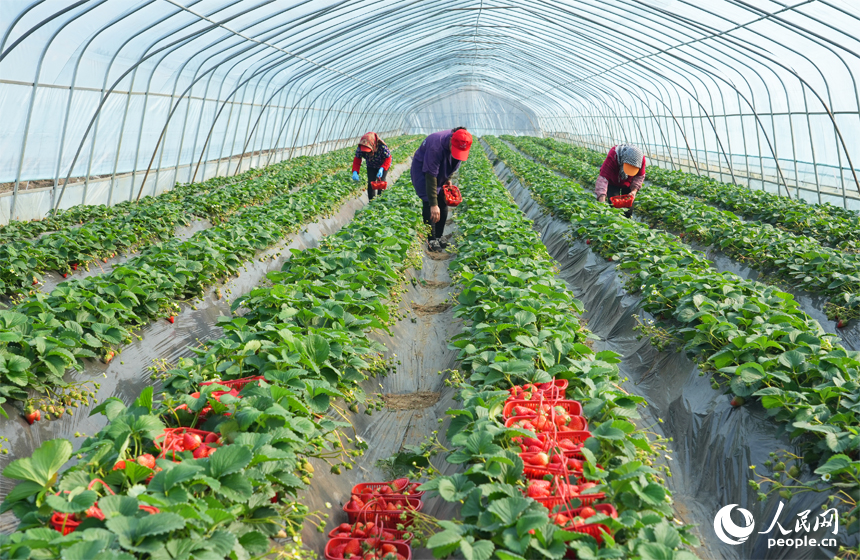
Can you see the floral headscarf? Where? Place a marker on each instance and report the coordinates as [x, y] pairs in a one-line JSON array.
[[630, 154]]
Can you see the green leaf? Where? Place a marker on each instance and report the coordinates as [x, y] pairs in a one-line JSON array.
[[836, 463], [43, 464], [254, 542], [653, 494], [792, 359], [479, 550], [318, 348], [654, 551], [229, 459], [180, 473], [508, 509], [85, 550], [78, 503], [443, 538], [113, 506]]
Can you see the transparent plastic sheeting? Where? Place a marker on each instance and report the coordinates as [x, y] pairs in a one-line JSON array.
[[478, 111], [755, 91], [714, 444]]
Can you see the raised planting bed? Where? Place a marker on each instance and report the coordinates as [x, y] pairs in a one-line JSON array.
[[522, 328]]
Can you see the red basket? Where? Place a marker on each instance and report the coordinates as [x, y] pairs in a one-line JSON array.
[[452, 195], [622, 201], [534, 471], [390, 518], [379, 185], [574, 408], [166, 441], [552, 502], [403, 549], [514, 419], [398, 535], [237, 384], [550, 390], [401, 484], [550, 441]]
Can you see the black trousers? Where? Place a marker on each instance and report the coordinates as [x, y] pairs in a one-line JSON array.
[[371, 177], [615, 190], [439, 230]]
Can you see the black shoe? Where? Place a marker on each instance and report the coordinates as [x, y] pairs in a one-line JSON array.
[[433, 246], [443, 244]]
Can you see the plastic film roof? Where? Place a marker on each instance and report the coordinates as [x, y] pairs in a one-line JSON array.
[[756, 91]]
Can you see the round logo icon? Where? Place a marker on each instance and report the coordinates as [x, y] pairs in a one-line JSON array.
[[725, 528]]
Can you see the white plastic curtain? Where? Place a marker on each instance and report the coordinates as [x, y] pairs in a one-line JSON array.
[[755, 91]]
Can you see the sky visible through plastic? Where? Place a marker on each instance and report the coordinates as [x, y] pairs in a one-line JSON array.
[[760, 92]]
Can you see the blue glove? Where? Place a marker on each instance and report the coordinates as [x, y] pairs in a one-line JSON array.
[[355, 175], [379, 174]]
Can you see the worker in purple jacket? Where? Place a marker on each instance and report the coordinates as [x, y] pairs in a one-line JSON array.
[[433, 164], [623, 172]]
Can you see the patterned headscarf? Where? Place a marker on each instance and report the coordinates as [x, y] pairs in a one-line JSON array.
[[627, 153], [370, 140]]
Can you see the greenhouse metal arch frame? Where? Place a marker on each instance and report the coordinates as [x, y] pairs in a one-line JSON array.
[[696, 84]]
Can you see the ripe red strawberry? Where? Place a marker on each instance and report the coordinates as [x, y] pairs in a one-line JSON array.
[[587, 512], [388, 547], [212, 438], [588, 241], [560, 519], [75, 266], [172, 319], [33, 416], [345, 527], [94, 511], [534, 449], [190, 442], [65, 275], [352, 547], [840, 323], [146, 460], [566, 444], [200, 452], [338, 551], [576, 423], [119, 465]]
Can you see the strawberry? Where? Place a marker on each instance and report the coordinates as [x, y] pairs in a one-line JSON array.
[[388, 547], [574, 464], [345, 527], [171, 319], [537, 492], [191, 441], [33, 416], [65, 275], [585, 486], [200, 452], [109, 356], [737, 401], [567, 445], [353, 547], [534, 449], [146, 460], [359, 533], [119, 465], [557, 459], [560, 519], [541, 459], [74, 266], [212, 438], [576, 423], [840, 323], [587, 512], [388, 536], [588, 241]]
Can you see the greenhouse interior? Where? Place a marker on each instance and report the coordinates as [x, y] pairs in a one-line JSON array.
[[298, 279]]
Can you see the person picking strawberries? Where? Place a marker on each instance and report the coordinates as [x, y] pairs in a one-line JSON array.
[[372, 148]]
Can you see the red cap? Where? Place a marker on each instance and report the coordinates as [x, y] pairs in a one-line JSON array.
[[364, 148], [461, 141]]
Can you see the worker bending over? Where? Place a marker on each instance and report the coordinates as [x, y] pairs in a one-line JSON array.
[[623, 172], [378, 156]]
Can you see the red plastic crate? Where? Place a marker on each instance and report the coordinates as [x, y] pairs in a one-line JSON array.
[[165, 442], [379, 185], [550, 390], [401, 485], [398, 535], [550, 441], [389, 518], [402, 548], [514, 419], [574, 408], [237, 384], [622, 201]]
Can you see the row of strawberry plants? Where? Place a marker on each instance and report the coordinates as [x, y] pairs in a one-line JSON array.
[[796, 260], [522, 327], [44, 335], [23, 263], [753, 338], [302, 346], [829, 224]]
